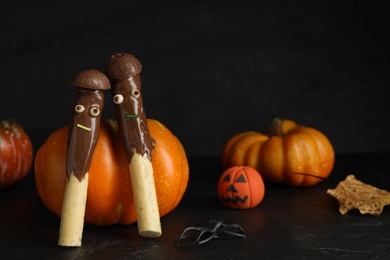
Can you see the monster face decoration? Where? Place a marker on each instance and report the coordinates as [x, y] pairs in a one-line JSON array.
[[123, 69], [85, 121]]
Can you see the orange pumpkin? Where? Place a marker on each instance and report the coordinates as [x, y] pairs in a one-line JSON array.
[[240, 187], [110, 197], [288, 149]]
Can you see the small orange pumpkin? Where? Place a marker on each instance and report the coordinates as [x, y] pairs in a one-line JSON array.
[[241, 187], [288, 149]]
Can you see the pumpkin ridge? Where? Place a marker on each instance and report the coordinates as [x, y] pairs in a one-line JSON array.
[[253, 151], [316, 157], [226, 153], [251, 155], [239, 148]]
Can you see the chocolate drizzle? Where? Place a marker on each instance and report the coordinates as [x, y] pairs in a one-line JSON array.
[[84, 127], [127, 97]]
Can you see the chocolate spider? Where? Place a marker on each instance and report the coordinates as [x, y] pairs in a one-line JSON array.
[[202, 235]]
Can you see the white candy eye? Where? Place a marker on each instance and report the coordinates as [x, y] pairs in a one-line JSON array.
[[118, 99], [135, 93], [94, 111], [79, 109]]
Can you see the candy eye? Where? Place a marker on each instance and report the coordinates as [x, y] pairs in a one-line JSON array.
[[118, 99], [79, 109], [135, 93], [94, 111]]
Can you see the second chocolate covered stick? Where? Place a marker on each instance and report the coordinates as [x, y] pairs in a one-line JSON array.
[[123, 70]]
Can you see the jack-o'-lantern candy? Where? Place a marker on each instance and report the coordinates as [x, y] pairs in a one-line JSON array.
[[241, 187]]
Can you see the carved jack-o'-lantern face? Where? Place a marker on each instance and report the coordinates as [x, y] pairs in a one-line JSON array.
[[241, 187]]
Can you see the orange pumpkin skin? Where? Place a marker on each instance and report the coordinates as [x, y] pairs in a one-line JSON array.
[[110, 197], [240, 187], [280, 156]]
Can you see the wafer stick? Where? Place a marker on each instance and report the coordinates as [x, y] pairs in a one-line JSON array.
[[142, 179], [83, 135], [73, 210], [123, 70]]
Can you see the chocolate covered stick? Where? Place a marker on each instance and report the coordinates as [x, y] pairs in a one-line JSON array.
[[83, 135], [123, 69]]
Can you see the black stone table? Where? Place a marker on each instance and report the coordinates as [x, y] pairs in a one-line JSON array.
[[290, 223]]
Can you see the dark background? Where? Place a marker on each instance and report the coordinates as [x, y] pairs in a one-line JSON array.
[[211, 69]]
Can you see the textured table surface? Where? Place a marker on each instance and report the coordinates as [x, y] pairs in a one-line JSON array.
[[290, 223]]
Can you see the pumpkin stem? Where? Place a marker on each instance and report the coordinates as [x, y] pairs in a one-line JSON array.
[[276, 127], [281, 127]]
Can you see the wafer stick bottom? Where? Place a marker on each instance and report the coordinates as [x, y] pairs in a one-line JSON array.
[[73, 211], [145, 198]]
